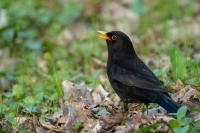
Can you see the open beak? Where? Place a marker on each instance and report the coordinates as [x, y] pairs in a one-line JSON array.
[[103, 35]]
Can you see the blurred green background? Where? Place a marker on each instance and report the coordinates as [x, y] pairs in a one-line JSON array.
[[43, 42]]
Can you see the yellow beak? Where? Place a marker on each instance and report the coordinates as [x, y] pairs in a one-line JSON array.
[[103, 35]]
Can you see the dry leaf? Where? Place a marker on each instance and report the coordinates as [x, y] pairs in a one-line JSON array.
[[102, 91], [185, 94], [77, 92], [178, 85], [49, 126], [96, 97]]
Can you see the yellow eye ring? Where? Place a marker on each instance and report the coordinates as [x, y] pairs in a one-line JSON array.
[[114, 37]]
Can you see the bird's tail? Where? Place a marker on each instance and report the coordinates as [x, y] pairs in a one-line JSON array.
[[168, 103]]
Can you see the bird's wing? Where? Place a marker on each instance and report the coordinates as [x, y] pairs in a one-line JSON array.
[[145, 80]]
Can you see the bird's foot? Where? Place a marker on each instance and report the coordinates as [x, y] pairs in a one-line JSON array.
[[125, 106]]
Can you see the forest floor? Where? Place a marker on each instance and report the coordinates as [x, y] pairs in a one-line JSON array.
[[52, 65]]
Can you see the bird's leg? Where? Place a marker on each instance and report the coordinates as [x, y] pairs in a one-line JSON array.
[[125, 106]]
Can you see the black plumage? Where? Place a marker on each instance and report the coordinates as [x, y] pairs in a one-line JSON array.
[[130, 78]]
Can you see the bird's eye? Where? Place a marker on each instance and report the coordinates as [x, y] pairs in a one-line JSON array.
[[114, 37]]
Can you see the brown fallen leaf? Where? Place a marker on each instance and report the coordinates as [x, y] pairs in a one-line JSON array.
[[30, 124], [124, 129], [113, 109], [102, 91], [165, 118], [133, 122], [49, 126], [96, 97], [185, 94], [21, 120], [109, 121], [77, 92], [178, 85], [61, 120]]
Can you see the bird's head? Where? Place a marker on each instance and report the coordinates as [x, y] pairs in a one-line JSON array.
[[118, 43]]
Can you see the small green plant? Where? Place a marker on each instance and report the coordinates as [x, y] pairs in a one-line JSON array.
[[178, 62], [193, 76], [148, 128], [78, 126], [184, 124]]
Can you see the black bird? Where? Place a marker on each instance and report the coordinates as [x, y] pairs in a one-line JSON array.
[[130, 78]]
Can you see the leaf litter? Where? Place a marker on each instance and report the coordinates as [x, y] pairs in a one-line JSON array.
[[81, 111]]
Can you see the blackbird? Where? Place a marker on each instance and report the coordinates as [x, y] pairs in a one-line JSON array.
[[130, 78]]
